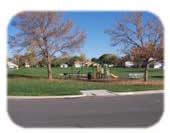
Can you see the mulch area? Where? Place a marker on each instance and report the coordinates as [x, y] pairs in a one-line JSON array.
[[126, 81]]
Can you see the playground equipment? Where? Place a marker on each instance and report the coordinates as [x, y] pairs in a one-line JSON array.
[[96, 73], [104, 73], [114, 76]]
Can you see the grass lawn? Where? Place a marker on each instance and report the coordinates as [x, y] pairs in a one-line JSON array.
[[154, 74], [42, 72], [38, 87], [24, 82]]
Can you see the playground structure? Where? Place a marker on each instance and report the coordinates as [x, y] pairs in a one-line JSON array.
[[99, 73], [104, 73]]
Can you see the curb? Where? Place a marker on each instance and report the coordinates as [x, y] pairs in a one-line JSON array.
[[84, 95], [138, 93], [45, 97]]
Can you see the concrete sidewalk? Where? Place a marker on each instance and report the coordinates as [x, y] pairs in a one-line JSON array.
[[90, 93], [97, 93]]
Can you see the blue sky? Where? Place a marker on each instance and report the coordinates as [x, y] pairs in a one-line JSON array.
[[94, 24]]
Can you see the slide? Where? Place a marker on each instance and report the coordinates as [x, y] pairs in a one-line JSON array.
[[114, 76]]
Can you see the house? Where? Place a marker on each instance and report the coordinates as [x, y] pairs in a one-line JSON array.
[[64, 66], [95, 64], [110, 65], [89, 63], [86, 63], [12, 65], [78, 64], [27, 65], [158, 65], [129, 64]]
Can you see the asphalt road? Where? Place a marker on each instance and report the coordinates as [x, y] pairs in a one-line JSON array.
[[114, 111]]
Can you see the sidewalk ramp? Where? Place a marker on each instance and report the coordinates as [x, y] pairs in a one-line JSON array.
[[96, 93]]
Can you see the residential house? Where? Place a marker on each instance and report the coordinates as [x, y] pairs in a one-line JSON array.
[[86, 63], [64, 66], [78, 64], [158, 65], [12, 65], [27, 65], [129, 64]]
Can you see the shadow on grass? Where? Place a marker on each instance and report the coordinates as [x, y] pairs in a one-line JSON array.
[[158, 77], [25, 76]]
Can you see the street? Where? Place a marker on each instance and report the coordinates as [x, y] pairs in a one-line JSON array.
[[94, 111]]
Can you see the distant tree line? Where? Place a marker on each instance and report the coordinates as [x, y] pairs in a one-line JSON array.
[[34, 61], [109, 59]]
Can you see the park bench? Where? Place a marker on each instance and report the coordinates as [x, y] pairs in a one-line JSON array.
[[135, 75]]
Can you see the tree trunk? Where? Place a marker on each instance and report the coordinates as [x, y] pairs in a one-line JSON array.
[[50, 77], [146, 72]]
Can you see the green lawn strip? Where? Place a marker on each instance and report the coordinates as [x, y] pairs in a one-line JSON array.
[[43, 87]]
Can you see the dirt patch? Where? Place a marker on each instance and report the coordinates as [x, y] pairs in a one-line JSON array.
[[138, 82]]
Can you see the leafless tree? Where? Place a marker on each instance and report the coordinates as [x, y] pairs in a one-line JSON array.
[[148, 53], [47, 33], [135, 32]]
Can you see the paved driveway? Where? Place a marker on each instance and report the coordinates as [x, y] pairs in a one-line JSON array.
[[103, 111]]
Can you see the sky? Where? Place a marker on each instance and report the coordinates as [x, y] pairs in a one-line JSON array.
[[94, 24]]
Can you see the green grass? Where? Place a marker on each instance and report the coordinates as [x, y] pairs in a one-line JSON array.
[[42, 72], [37, 87], [43, 87], [154, 74], [33, 82]]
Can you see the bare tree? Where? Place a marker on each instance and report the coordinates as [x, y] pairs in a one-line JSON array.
[[135, 32], [47, 33], [146, 52]]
